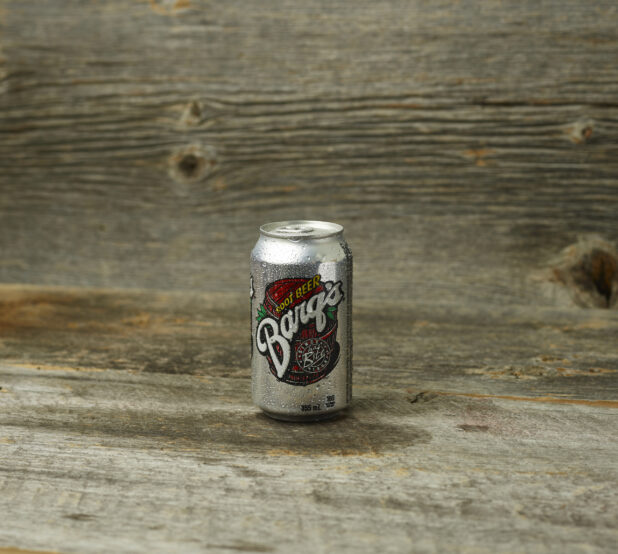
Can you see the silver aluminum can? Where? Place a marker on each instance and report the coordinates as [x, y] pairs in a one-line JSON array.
[[301, 320]]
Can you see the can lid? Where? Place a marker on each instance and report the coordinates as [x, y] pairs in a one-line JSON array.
[[300, 229]]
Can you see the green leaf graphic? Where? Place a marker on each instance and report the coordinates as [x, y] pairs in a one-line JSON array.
[[331, 312], [261, 313]]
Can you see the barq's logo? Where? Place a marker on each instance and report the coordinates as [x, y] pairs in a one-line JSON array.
[[300, 344]]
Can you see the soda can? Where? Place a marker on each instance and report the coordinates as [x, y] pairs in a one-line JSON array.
[[301, 320]]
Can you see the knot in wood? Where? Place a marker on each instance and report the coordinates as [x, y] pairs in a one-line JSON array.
[[596, 271], [192, 164], [581, 131], [193, 114], [589, 270]]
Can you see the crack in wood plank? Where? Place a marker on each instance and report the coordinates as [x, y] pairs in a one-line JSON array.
[[544, 399]]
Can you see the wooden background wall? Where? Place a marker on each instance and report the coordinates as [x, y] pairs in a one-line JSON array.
[[464, 145]]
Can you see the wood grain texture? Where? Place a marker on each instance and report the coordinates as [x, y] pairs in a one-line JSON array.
[[566, 353], [123, 462], [463, 148], [469, 149], [471, 430]]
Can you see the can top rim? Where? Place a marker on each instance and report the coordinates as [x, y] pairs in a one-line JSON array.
[[300, 228]]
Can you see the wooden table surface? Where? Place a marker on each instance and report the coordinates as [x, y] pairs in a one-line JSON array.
[[126, 425]]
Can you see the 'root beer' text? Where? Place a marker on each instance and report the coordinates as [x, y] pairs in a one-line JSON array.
[[299, 293]]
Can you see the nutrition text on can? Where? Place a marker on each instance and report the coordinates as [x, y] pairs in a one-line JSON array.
[[301, 320]]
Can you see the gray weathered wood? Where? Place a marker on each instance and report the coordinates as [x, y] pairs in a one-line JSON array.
[[463, 148], [564, 353], [96, 461], [471, 430]]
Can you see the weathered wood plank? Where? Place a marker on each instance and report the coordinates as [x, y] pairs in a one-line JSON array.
[[561, 353], [473, 144], [471, 430], [115, 461]]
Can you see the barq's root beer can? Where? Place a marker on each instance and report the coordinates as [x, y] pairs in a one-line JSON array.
[[301, 320]]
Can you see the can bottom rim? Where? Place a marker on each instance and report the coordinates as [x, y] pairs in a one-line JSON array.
[[309, 418]]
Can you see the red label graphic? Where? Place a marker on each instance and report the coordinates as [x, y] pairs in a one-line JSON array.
[[297, 328]]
